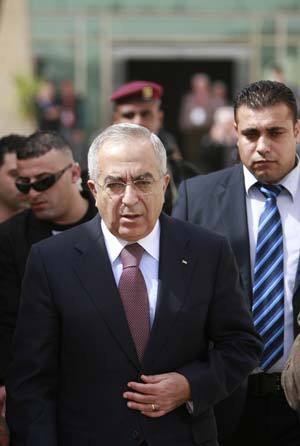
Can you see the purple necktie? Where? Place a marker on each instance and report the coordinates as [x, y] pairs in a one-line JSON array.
[[134, 296]]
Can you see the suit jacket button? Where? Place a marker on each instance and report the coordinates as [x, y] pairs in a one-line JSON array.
[[135, 435]]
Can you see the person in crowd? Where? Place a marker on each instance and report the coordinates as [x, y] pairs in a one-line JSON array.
[[196, 114], [72, 119], [256, 206], [11, 200], [290, 377], [47, 107], [139, 102], [48, 177], [217, 149], [128, 318], [219, 93], [278, 74]]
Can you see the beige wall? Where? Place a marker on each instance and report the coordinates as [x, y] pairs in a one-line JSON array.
[[15, 58]]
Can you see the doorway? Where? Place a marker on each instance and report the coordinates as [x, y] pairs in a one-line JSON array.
[[174, 75]]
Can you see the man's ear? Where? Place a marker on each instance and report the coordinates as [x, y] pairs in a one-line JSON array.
[[76, 172], [166, 181], [116, 116], [92, 187], [236, 129], [161, 117], [297, 130]]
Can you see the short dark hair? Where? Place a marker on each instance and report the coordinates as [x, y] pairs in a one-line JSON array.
[[263, 94], [11, 144], [41, 142]]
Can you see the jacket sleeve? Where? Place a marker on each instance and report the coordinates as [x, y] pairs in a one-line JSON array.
[[32, 378], [9, 297], [235, 347]]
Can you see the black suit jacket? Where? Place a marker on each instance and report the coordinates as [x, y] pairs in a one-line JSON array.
[[218, 202], [74, 353], [17, 235]]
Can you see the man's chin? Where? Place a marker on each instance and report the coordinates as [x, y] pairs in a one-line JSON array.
[[131, 234], [266, 175], [42, 214]]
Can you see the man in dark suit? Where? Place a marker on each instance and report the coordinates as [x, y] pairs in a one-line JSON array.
[[232, 202], [11, 202], [48, 177], [97, 365]]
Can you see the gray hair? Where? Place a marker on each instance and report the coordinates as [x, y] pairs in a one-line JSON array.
[[118, 133]]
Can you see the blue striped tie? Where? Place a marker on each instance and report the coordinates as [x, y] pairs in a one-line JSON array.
[[268, 285]]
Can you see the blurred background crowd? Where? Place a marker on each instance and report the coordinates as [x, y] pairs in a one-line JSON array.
[[61, 61]]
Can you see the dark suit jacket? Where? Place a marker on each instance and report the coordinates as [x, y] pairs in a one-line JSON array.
[[218, 202], [17, 235], [74, 353]]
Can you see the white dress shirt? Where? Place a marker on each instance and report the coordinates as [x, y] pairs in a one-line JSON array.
[[149, 262], [288, 202], [148, 266]]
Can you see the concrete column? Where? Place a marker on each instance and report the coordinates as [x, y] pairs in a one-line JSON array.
[[15, 59]]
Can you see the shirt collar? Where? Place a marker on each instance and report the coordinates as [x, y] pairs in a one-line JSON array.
[[114, 245], [290, 182]]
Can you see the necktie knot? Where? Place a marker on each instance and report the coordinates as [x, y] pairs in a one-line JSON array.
[[270, 190], [131, 255]]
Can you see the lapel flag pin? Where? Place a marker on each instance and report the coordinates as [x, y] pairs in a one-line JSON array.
[[184, 261]]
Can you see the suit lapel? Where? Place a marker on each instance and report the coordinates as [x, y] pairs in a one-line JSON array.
[[175, 267], [230, 195], [92, 265]]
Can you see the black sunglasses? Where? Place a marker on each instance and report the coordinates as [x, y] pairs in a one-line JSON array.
[[24, 185]]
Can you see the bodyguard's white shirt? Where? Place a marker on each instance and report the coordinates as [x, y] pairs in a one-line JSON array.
[[288, 202], [149, 262]]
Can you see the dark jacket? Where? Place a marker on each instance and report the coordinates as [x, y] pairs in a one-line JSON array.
[[74, 354], [218, 202], [17, 235]]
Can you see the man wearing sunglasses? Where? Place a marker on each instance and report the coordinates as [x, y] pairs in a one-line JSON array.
[[139, 102], [48, 177]]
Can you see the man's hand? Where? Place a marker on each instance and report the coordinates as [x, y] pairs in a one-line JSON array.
[[158, 394], [2, 401], [4, 435]]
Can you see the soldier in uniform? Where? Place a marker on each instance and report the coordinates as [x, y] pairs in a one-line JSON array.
[[139, 102]]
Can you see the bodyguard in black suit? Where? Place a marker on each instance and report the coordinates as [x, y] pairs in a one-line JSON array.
[[230, 203], [56, 205], [77, 377]]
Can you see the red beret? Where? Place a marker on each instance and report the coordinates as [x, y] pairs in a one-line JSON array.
[[137, 90]]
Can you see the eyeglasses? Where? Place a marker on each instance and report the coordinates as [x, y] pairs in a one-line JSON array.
[[24, 185], [132, 114], [116, 189]]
